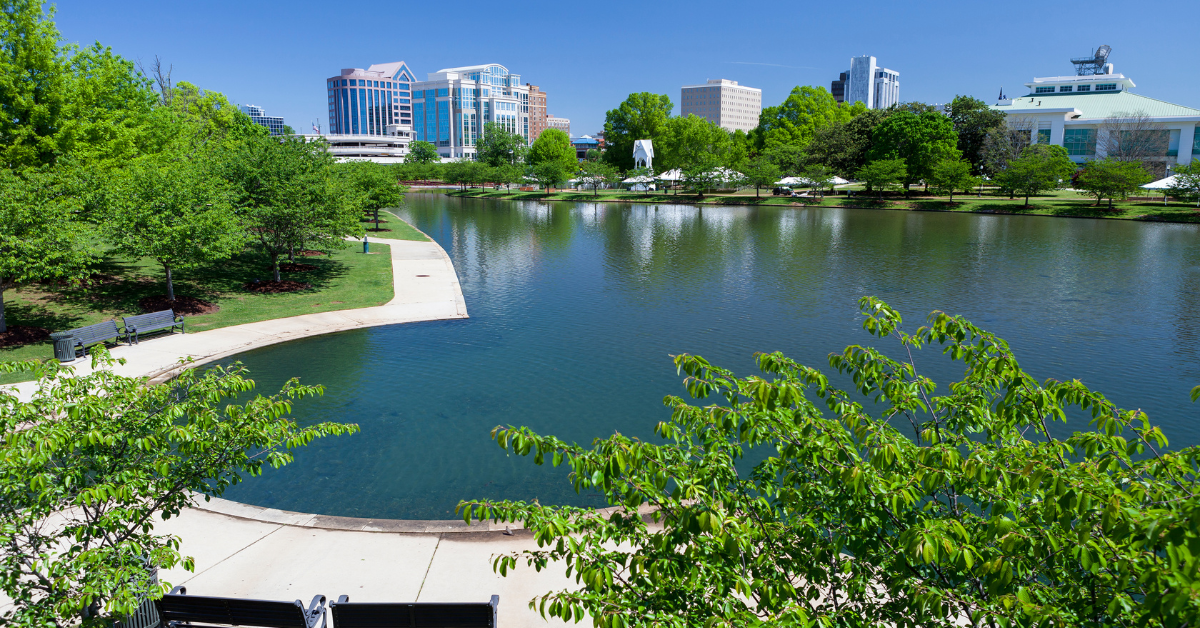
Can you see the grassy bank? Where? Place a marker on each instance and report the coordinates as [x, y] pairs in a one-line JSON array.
[[345, 280], [1060, 203]]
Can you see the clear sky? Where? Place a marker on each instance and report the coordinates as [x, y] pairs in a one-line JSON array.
[[589, 55]]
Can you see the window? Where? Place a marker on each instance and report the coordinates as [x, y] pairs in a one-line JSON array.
[[1065, 88], [353, 83], [419, 94], [1044, 90], [1043, 136], [1106, 87], [445, 91], [1084, 88], [1196, 141], [1080, 141]]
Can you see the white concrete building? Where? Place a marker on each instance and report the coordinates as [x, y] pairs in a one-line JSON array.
[[562, 124], [866, 82], [724, 103], [452, 106], [1078, 113]]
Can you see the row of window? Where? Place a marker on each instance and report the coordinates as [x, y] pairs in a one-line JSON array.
[[1101, 87], [366, 83]]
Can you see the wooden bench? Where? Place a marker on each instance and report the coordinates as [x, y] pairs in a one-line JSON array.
[[178, 609], [413, 614], [140, 324], [85, 337]]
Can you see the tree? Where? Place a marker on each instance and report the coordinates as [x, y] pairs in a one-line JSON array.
[[285, 189], [704, 173], [1136, 137], [39, 239], [760, 171], [422, 153], [372, 186], [689, 139], [1108, 178], [175, 212], [508, 174], [785, 501], [33, 84], [789, 159], [973, 119], [1042, 167], [91, 462], [499, 146], [1187, 182], [883, 174], [794, 121], [1006, 143], [550, 173], [844, 147], [554, 145], [643, 116], [819, 177], [920, 140], [597, 173], [951, 175]]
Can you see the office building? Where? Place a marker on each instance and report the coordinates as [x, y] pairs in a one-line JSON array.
[[1095, 111], [374, 101], [537, 111], [452, 106], [583, 144], [866, 82], [273, 123], [562, 124], [724, 103]]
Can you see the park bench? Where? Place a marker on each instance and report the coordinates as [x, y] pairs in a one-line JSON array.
[[154, 321], [413, 614], [85, 337], [177, 609]]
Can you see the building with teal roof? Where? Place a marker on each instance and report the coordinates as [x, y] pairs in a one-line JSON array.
[[1075, 112]]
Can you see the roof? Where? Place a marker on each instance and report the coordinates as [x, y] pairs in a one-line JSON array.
[[1100, 105], [391, 69], [473, 68], [586, 140]]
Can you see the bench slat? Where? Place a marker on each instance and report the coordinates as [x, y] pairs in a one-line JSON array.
[[231, 611], [412, 615]]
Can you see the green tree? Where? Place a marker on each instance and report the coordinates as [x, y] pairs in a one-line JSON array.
[[797, 118], [1187, 182], [819, 177], [550, 173], [554, 145], [507, 175], [1111, 178], [760, 171], [922, 141], [687, 140], [371, 186], [39, 238], [34, 84], [642, 116], [92, 462], [422, 153], [951, 175], [499, 146], [844, 147], [286, 192], [175, 212], [973, 119], [705, 173], [789, 159], [784, 501], [597, 173], [883, 174], [1040, 168]]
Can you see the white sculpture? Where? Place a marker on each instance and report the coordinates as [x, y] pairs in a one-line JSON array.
[[643, 154]]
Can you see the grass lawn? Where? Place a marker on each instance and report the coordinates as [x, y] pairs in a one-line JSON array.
[[345, 280], [1058, 203], [394, 229]]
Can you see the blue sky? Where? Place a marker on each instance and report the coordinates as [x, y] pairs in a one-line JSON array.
[[589, 56]]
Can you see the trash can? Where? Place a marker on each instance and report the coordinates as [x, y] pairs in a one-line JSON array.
[[64, 346]]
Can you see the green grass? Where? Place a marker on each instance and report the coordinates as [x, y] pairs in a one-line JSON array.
[[345, 280], [1059, 203], [394, 229]]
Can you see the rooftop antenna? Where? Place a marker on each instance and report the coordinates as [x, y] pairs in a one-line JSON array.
[[1088, 66]]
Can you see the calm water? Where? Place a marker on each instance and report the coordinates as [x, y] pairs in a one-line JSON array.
[[576, 310]]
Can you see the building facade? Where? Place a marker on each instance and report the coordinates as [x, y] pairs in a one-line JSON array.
[[374, 101], [562, 124], [866, 82], [537, 111], [583, 144], [273, 123], [452, 106], [724, 103]]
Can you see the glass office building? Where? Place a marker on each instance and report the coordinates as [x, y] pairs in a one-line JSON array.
[[374, 101], [451, 108], [258, 116]]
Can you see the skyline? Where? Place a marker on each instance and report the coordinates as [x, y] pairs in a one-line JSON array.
[[278, 55]]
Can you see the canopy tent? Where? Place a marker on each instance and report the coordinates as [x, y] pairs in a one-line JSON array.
[[839, 181], [1161, 184], [639, 180], [671, 175], [790, 181]]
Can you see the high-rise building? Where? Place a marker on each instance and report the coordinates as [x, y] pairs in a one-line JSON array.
[[562, 124], [452, 106], [723, 102], [273, 123], [537, 111], [866, 82], [374, 101]]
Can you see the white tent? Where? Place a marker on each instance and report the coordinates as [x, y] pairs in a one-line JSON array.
[[671, 175], [839, 181], [1161, 184], [790, 181], [639, 180]]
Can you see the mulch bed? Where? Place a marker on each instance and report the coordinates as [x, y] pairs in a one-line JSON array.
[[272, 287], [379, 229], [296, 268], [18, 335], [310, 253], [183, 306]]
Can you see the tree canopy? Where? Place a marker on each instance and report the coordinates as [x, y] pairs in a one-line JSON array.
[[554, 145], [1111, 178], [499, 146], [796, 119], [973, 120], [643, 116], [422, 153], [920, 140], [1040, 167]]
